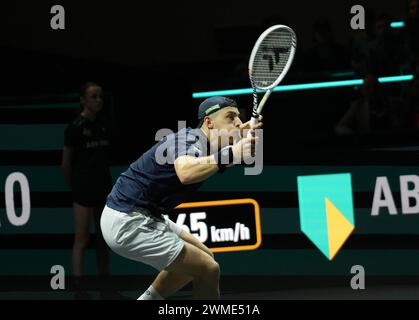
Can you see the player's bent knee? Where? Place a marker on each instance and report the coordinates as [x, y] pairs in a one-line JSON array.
[[187, 237], [212, 269], [195, 263]]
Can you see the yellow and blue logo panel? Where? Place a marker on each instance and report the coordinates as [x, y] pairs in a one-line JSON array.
[[326, 210]]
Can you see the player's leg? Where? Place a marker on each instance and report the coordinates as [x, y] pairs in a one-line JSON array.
[[204, 270], [141, 237], [186, 236], [168, 283], [165, 285]]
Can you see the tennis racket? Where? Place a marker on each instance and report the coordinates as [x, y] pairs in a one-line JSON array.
[[269, 62]]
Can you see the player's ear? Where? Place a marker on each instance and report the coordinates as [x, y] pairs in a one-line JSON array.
[[209, 123]]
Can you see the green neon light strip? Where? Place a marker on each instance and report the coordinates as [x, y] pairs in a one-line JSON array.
[[396, 79], [306, 86], [398, 24]]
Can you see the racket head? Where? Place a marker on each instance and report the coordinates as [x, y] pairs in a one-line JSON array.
[[272, 56]]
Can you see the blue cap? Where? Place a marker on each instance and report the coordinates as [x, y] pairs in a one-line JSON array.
[[214, 104]]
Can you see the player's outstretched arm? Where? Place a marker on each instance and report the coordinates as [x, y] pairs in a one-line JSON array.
[[191, 170]]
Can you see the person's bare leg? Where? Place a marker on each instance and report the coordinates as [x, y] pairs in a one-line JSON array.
[[102, 252], [204, 270], [82, 216], [168, 283]]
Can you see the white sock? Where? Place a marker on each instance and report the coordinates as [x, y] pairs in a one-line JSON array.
[[150, 294]]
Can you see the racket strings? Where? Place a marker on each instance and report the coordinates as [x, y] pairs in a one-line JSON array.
[[272, 57]]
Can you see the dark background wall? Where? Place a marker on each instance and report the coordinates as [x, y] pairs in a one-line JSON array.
[[149, 33], [149, 59], [152, 56]]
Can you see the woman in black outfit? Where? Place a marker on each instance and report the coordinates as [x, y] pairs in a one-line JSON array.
[[86, 167]]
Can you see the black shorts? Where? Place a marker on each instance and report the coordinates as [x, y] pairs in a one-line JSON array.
[[90, 199], [91, 191]]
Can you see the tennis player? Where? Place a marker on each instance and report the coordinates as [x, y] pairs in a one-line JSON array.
[[134, 223]]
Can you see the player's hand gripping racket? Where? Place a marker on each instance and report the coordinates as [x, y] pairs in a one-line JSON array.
[[270, 61]]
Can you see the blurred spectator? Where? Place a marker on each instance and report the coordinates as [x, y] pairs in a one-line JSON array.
[[86, 168], [373, 112], [326, 54]]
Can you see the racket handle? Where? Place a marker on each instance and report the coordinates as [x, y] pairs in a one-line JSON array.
[[254, 121]]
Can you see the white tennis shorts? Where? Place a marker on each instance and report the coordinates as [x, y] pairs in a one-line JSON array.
[[142, 237]]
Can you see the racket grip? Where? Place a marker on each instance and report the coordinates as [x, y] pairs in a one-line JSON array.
[[253, 122]]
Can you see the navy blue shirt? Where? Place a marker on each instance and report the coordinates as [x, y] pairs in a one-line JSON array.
[[151, 182]]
